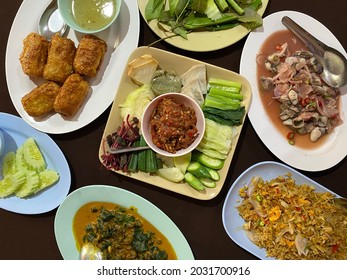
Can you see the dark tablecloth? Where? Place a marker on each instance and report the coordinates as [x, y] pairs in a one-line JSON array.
[[32, 236]]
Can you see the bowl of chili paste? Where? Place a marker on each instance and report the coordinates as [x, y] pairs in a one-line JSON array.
[[173, 124]]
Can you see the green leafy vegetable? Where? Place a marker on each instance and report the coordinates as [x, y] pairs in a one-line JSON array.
[[183, 16], [153, 9], [226, 117]]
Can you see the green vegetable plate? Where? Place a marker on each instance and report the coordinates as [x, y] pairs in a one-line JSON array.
[[179, 64], [212, 40]]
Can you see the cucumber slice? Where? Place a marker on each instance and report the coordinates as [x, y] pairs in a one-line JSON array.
[[9, 164], [11, 183], [47, 178], [172, 174], [33, 155], [30, 186], [20, 161]]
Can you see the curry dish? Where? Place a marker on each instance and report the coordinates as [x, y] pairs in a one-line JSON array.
[[173, 126], [121, 233]]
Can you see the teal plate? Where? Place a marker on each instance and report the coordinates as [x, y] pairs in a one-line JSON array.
[[65, 214]]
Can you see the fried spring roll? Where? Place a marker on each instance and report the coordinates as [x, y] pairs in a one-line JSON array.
[[34, 55], [40, 100], [89, 55], [71, 95], [60, 58]]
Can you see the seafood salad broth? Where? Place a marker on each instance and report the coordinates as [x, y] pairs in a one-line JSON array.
[[276, 43]]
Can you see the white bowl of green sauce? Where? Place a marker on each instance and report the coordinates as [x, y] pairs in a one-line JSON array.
[[89, 16]]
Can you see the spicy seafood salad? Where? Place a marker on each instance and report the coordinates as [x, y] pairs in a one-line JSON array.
[[307, 104]]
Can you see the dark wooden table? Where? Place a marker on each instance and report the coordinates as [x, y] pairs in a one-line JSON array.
[[32, 236]]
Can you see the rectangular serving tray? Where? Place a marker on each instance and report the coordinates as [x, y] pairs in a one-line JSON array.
[[179, 64]]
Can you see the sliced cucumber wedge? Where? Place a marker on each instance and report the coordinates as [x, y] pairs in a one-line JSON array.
[[9, 164], [33, 156], [20, 161], [11, 183], [30, 186], [47, 178]]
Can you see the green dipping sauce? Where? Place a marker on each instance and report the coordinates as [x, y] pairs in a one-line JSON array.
[[93, 14]]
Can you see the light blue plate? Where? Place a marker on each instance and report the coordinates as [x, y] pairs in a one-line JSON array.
[[16, 131], [231, 219], [63, 220]]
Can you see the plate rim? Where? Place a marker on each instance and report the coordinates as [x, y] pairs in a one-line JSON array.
[[51, 150], [302, 159], [58, 125], [229, 205], [104, 194], [238, 33]]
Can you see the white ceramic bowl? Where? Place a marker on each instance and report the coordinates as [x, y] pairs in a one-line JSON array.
[[179, 98], [66, 12]]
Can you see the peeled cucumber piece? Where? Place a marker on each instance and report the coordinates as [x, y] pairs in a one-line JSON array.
[[33, 156], [25, 171], [11, 183], [47, 178], [9, 164], [30, 186], [20, 161]]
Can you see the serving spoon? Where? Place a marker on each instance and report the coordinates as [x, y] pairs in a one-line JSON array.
[[90, 252], [333, 62], [51, 21]]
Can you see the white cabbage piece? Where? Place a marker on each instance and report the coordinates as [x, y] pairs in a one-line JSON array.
[[136, 101], [217, 137]]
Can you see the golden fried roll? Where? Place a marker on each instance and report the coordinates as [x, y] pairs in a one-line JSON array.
[[40, 100], [71, 95], [89, 55], [34, 54], [60, 58]]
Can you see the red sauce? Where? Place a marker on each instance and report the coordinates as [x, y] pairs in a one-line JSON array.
[[271, 106], [173, 126]]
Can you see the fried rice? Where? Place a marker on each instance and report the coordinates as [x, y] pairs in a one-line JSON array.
[[293, 221]]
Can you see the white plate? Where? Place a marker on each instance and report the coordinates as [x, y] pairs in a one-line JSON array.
[[230, 216], [333, 150], [16, 131], [205, 40], [123, 35], [66, 212]]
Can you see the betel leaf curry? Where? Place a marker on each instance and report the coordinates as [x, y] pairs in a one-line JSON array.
[[121, 233]]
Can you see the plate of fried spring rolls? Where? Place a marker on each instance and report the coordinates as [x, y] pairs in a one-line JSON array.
[[78, 79]]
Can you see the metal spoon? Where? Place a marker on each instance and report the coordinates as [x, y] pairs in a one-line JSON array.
[[126, 150], [333, 62], [51, 22], [90, 252]]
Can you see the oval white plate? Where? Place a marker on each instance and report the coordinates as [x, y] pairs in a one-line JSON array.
[[122, 39], [16, 131], [333, 150], [232, 221], [66, 212], [205, 40]]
